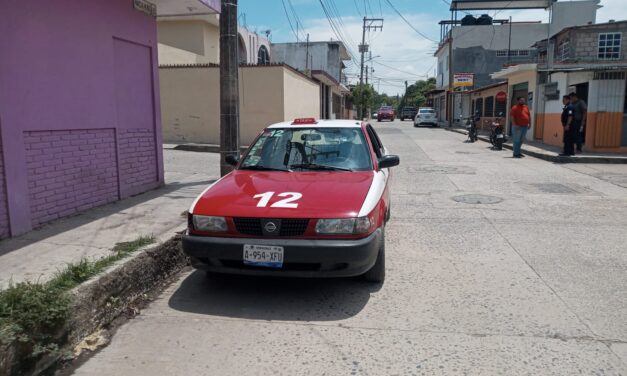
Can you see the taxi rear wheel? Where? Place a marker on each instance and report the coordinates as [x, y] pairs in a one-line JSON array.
[[377, 272]]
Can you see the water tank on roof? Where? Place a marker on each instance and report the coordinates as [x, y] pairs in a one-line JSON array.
[[469, 20], [484, 20]]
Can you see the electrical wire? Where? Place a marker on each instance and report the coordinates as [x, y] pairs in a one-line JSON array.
[[408, 23], [289, 20]]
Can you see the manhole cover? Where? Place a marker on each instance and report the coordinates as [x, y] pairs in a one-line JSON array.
[[554, 188], [477, 199]]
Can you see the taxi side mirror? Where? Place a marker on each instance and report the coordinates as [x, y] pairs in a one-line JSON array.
[[389, 161], [231, 159]]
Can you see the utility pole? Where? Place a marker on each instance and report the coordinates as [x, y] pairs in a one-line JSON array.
[[369, 23], [366, 75], [307, 56], [451, 86], [229, 85]]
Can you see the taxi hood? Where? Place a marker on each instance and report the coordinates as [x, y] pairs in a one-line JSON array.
[[319, 194]]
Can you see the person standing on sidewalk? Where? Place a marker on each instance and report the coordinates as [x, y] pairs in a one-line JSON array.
[[581, 113], [570, 131], [521, 122]]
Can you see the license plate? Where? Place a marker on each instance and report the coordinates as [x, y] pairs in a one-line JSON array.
[[263, 255], [499, 136]]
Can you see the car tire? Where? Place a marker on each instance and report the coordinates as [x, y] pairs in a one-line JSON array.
[[402, 119], [378, 120], [376, 274]]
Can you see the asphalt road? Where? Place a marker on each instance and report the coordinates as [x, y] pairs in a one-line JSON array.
[[527, 275]]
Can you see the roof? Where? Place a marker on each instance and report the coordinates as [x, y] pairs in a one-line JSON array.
[[320, 124], [344, 55], [243, 65], [324, 77], [499, 4], [491, 86], [504, 73], [579, 27]]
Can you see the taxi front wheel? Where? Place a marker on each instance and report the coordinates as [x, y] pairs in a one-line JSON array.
[[377, 272]]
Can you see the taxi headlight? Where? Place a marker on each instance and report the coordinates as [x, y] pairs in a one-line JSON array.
[[210, 224], [343, 226]]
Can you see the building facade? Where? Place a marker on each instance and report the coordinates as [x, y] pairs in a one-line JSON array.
[[324, 61], [269, 93], [591, 61], [484, 46], [79, 106], [195, 39]]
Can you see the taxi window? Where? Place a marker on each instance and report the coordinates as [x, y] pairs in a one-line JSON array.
[[300, 149], [376, 142]]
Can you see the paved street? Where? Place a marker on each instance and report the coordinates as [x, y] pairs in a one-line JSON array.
[[525, 276]]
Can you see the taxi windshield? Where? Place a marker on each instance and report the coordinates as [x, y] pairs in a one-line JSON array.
[[306, 149]]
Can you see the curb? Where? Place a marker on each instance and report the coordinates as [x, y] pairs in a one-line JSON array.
[[115, 293], [554, 158]]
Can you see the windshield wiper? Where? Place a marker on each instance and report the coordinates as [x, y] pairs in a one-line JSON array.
[[314, 166], [263, 168]]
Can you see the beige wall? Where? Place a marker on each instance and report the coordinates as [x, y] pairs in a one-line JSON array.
[[190, 100], [190, 105], [188, 42], [261, 100], [303, 99]]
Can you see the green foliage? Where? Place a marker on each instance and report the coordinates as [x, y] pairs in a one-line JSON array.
[[34, 314], [371, 98], [416, 95]]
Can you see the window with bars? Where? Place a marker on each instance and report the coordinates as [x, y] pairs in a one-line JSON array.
[[513, 53], [609, 45], [563, 50], [489, 107], [479, 107]]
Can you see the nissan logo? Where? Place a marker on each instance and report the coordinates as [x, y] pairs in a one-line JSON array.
[[270, 227]]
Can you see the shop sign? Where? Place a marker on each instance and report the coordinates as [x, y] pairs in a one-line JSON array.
[[463, 80], [146, 7]]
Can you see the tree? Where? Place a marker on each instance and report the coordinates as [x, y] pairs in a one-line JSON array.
[[416, 95]]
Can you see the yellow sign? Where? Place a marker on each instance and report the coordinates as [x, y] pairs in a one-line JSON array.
[[463, 80]]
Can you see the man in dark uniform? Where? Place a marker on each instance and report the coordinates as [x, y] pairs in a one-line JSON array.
[[570, 131], [580, 114]]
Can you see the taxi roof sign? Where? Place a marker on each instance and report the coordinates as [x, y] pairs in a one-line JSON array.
[[300, 121]]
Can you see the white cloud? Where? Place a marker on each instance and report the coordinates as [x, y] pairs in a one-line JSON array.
[[397, 46], [612, 10]]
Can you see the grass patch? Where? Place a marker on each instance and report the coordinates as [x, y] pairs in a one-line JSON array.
[[76, 273], [34, 314]]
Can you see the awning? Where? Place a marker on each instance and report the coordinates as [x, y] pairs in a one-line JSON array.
[[186, 7]]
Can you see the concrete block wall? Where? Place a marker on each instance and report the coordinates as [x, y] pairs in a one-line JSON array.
[[69, 171], [585, 42], [137, 155]]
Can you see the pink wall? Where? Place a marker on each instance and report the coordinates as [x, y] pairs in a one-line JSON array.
[[75, 74]]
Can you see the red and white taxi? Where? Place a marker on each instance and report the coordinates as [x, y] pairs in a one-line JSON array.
[[308, 199]]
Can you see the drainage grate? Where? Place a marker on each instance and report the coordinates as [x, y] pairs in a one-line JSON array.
[[477, 199]]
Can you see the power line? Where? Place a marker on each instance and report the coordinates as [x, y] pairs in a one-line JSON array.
[[398, 70], [408, 23], [289, 20]]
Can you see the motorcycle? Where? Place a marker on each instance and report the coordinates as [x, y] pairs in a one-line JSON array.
[[497, 133], [471, 125]]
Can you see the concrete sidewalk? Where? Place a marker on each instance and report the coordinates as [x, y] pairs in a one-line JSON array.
[[551, 153], [38, 254]]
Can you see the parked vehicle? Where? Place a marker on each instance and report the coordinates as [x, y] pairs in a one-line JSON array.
[[408, 113], [426, 115], [386, 113], [471, 125], [308, 199], [497, 133]]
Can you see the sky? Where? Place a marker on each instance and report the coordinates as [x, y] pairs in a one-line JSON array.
[[401, 51]]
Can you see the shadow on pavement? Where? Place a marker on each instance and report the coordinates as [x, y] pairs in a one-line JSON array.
[[169, 191], [261, 298]]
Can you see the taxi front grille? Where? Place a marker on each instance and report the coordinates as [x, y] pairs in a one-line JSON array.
[[287, 227]]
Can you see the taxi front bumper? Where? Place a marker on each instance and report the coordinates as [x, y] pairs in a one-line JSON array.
[[302, 257]]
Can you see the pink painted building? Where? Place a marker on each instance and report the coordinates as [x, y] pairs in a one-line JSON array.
[[79, 105]]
